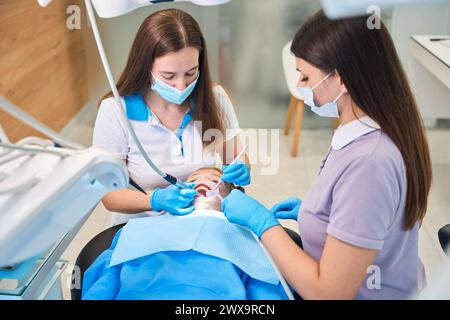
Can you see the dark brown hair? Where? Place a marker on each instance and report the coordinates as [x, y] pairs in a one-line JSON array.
[[161, 33], [369, 67]]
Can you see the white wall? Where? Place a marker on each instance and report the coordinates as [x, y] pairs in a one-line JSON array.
[[250, 38], [418, 19]]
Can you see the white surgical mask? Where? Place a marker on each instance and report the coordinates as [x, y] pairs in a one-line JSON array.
[[172, 94], [329, 109]]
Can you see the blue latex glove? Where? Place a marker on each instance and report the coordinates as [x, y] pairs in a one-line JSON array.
[[237, 173], [174, 200], [287, 209], [241, 209]]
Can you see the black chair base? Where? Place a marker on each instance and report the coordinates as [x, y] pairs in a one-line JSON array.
[[90, 252], [444, 239]]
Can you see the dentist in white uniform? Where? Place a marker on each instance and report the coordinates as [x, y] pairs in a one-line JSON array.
[[173, 107]]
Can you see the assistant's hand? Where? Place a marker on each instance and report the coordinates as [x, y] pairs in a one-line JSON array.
[[237, 173], [241, 209], [173, 200], [287, 209]]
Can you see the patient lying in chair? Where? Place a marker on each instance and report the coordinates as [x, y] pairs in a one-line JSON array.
[[205, 179], [198, 256]]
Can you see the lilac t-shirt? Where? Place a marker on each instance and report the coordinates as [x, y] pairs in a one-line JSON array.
[[359, 198]]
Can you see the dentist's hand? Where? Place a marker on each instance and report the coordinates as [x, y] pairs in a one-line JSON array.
[[287, 209], [241, 209], [173, 200], [237, 173]]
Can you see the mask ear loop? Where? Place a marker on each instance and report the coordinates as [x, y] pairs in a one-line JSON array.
[[154, 79], [321, 81], [339, 96]]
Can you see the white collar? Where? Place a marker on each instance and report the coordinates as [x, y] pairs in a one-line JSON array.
[[351, 131]]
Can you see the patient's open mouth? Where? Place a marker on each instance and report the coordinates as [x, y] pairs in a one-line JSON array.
[[202, 189]]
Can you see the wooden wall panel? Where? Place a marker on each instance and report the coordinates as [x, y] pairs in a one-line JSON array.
[[42, 64]]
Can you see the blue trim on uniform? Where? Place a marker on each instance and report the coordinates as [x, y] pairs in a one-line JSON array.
[[187, 118], [136, 107], [179, 133]]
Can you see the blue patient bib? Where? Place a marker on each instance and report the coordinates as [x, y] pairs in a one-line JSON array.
[[204, 231]]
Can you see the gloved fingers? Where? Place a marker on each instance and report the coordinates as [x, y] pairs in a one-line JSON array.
[[232, 167], [281, 206], [285, 215], [288, 204], [244, 179], [229, 213], [275, 208], [184, 211], [187, 197], [188, 193], [228, 168], [235, 194], [228, 200], [294, 201], [233, 175], [190, 185], [224, 205], [184, 201], [229, 216]]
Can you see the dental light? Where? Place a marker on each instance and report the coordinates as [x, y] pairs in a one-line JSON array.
[[115, 8]]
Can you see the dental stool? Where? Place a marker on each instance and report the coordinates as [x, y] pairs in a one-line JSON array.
[[102, 242]]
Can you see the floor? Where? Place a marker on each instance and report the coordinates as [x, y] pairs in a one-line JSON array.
[[295, 178]]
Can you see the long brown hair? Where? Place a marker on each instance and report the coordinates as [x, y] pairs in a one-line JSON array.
[[161, 33], [368, 65]]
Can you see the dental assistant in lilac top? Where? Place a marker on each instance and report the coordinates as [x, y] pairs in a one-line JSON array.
[[360, 221], [359, 198]]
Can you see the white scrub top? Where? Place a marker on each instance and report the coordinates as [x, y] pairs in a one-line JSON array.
[[177, 153]]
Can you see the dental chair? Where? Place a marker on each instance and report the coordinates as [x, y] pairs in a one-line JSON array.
[[444, 238], [102, 242]]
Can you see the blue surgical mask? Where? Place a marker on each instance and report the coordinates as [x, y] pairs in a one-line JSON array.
[[172, 94], [328, 109]]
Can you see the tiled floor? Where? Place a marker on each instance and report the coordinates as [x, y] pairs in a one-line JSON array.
[[295, 178]]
